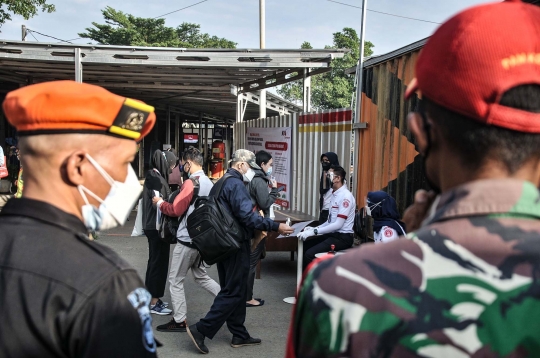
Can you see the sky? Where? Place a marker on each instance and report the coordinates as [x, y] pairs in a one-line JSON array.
[[288, 22]]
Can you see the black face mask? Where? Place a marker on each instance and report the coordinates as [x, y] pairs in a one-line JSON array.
[[326, 166], [185, 171], [427, 128]]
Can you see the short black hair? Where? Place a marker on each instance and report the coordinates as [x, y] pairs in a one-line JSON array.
[[340, 172], [476, 142], [262, 156], [194, 155]]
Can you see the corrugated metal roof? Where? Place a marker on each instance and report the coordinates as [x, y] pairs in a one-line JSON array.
[[194, 80], [375, 60]]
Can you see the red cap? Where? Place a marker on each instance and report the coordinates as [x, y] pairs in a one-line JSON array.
[[71, 107], [478, 55]]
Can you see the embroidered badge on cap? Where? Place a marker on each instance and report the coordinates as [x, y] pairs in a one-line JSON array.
[[130, 120]]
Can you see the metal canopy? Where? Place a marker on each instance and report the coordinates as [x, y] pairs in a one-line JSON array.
[[189, 81]]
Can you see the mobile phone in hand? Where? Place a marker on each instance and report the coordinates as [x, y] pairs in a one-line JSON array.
[[281, 188]]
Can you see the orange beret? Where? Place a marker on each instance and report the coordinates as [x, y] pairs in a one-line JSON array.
[[73, 107]]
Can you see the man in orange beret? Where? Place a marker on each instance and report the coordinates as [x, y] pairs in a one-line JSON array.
[[62, 295]]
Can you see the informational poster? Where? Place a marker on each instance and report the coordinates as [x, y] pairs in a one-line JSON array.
[[277, 142]]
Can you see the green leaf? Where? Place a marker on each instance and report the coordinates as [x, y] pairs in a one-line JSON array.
[[332, 89], [125, 29]]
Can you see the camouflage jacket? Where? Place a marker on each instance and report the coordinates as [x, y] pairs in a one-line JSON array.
[[466, 284]]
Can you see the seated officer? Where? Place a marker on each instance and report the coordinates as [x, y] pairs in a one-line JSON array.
[[338, 230], [61, 294]]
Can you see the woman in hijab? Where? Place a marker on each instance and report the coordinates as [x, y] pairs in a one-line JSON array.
[[387, 225], [325, 188], [157, 179]]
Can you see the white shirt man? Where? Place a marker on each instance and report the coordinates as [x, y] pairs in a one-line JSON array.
[[338, 230]]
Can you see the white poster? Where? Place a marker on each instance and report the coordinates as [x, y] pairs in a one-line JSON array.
[[277, 142]]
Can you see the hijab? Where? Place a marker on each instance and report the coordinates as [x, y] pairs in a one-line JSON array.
[[384, 212]]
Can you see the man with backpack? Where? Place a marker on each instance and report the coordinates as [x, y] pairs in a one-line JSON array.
[[185, 255], [230, 304]]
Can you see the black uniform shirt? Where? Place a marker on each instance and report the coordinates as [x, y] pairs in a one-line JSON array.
[[62, 295]]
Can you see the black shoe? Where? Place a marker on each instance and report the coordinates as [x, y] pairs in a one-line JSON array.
[[239, 342], [197, 338], [172, 326]]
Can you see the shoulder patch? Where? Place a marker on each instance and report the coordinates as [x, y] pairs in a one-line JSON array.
[[346, 203], [388, 232], [140, 300]]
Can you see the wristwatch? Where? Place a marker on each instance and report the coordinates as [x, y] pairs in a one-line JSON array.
[[316, 232]]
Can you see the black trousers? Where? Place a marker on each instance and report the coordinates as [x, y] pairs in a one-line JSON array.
[[323, 216], [318, 244], [230, 304], [254, 258], [158, 264]]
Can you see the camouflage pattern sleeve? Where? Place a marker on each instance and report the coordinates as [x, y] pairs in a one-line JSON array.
[[431, 295]]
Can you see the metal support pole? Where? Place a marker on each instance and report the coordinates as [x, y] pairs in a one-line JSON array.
[[78, 66], [141, 159], [239, 103], [177, 133], [307, 91], [168, 126], [262, 33], [262, 23], [358, 105], [205, 149], [23, 32], [200, 129]]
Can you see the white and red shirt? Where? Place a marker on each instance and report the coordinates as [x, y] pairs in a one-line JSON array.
[[386, 234], [343, 207]]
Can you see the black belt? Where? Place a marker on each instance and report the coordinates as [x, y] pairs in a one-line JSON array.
[[188, 244]]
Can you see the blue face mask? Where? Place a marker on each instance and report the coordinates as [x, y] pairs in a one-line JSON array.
[[269, 172]]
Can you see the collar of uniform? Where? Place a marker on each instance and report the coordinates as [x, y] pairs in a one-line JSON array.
[[498, 197], [340, 189], [45, 212]]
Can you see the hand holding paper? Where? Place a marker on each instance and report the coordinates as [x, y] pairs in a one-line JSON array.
[[307, 232], [298, 227]]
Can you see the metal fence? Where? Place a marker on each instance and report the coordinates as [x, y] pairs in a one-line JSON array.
[[313, 134]]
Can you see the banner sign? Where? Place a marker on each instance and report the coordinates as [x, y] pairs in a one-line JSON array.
[[191, 138], [277, 142]]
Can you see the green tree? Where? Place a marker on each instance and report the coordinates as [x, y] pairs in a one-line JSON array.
[[332, 89], [125, 29], [25, 8]]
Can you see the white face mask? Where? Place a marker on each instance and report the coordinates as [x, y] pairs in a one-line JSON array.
[[115, 208], [248, 176], [331, 177]]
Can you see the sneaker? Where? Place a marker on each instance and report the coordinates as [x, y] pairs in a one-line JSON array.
[[159, 309], [172, 326], [164, 304], [197, 338], [239, 342]]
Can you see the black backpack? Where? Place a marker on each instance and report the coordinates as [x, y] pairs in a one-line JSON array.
[[213, 230], [363, 226], [169, 225]]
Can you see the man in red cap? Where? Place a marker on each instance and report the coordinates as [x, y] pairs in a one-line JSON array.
[[62, 295], [467, 281]]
